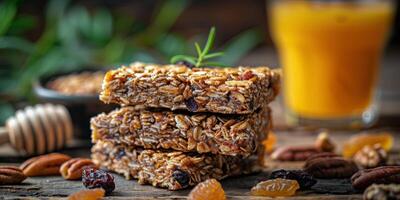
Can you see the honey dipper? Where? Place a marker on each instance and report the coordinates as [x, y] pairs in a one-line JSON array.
[[37, 130]]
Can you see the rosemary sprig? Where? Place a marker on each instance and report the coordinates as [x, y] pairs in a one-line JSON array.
[[202, 54]]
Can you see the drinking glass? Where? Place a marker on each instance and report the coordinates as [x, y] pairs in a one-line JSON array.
[[330, 52]]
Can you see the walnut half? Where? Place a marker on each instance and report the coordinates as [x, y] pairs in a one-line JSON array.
[[371, 156]]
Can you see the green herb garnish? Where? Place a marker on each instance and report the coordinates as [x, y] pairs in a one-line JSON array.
[[202, 55]]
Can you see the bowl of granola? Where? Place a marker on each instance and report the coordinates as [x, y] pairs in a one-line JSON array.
[[78, 91]]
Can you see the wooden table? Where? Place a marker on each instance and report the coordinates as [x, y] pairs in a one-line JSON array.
[[235, 188]]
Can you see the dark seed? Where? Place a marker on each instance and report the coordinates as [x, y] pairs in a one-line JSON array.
[[191, 104], [94, 178], [305, 180], [187, 64], [182, 177]]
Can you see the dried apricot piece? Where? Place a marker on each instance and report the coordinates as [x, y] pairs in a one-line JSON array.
[[276, 188], [270, 142], [357, 142], [93, 194], [206, 190]]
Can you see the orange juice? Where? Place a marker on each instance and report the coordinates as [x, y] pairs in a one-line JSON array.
[[330, 53]]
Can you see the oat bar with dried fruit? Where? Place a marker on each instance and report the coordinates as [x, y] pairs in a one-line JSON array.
[[171, 169], [188, 132], [240, 90]]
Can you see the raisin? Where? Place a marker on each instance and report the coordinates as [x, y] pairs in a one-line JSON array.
[[275, 188], [121, 153], [305, 180], [187, 64], [357, 142], [270, 142], [207, 190], [92, 194], [181, 177], [191, 104], [94, 178]]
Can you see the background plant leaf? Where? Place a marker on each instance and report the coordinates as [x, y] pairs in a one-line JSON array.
[[239, 46], [8, 10]]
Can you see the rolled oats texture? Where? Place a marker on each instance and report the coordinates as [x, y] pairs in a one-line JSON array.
[[240, 90], [188, 132], [173, 170]]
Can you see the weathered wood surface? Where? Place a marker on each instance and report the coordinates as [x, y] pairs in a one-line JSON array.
[[236, 187]]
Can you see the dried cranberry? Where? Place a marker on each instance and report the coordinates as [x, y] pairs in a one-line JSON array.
[[191, 104], [182, 177], [187, 64], [247, 75], [305, 180], [94, 178]]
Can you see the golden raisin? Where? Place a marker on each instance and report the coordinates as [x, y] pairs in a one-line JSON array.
[[357, 142], [270, 142], [206, 190], [275, 188], [93, 194]]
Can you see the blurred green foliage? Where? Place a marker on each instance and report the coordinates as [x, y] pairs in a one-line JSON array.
[[74, 38]]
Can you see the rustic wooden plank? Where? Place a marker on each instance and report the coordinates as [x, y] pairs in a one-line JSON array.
[[235, 187]]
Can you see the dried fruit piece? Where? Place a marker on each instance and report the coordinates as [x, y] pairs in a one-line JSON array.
[[305, 180], [329, 166], [247, 75], [72, 169], [371, 156], [93, 194], [181, 177], [187, 64], [44, 165], [380, 175], [357, 142], [275, 188], [10, 175], [270, 142], [324, 143], [207, 190], [379, 192], [297, 153], [191, 104], [95, 178]]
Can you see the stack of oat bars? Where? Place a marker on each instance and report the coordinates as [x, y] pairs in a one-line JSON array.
[[178, 126]]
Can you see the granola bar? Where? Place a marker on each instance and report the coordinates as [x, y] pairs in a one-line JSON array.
[[173, 170], [188, 132], [239, 90]]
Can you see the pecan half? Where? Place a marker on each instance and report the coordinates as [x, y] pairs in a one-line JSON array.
[[297, 153], [44, 165], [72, 169], [330, 166], [380, 175], [371, 156], [11, 175]]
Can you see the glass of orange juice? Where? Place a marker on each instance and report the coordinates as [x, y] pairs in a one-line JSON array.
[[330, 52]]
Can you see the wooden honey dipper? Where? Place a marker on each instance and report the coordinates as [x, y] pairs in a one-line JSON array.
[[37, 130]]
